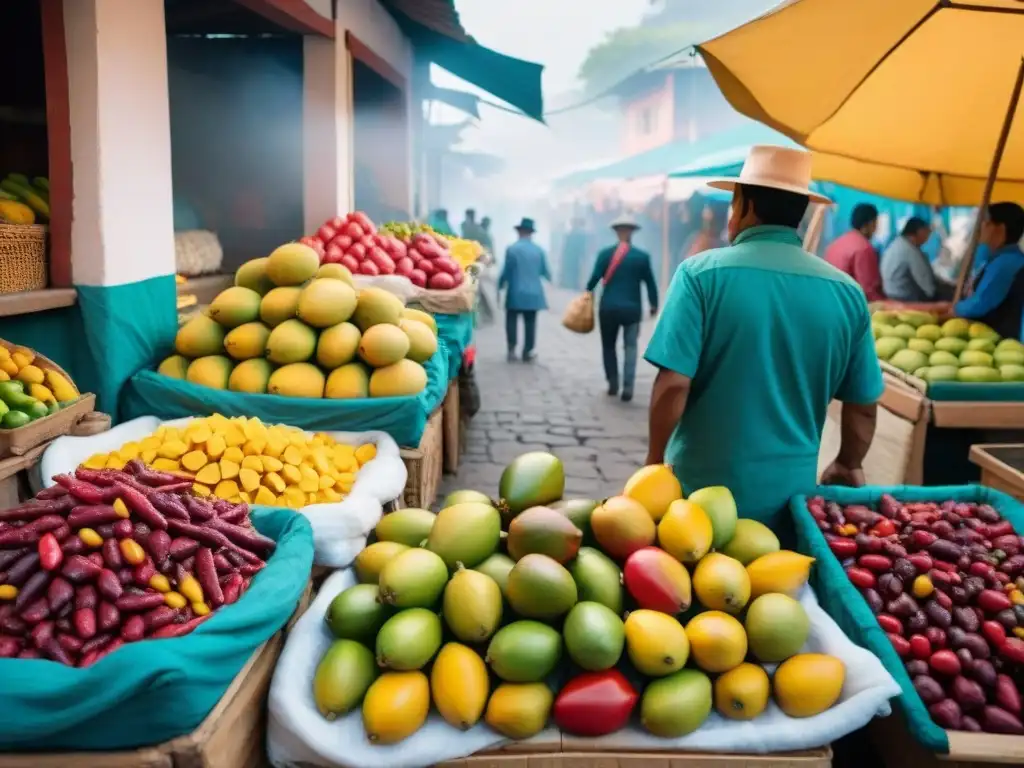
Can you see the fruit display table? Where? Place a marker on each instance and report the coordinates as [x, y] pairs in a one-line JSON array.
[[1001, 467]]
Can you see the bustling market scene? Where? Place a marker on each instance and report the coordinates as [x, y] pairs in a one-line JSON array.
[[405, 383]]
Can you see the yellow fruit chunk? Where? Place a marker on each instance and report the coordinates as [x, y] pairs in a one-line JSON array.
[[345, 481], [198, 431], [249, 479], [228, 469], [321, 463], [193, 461], [23, 358], [274, 482], [129, 451], [275, 446], [255, 446], [233, 453], [292, 455], [291, 474], [209, 475], [254, 463], [807, 684], [264, 496], [234, 436], [96, 461], [294, 498], [201, 490], [226, 489], [30, 374], [366, 452], [309, 481], [270, 464], [215, 447], [39, 392], [331, 496], [115, 462], [243, 496], [166, 465], [150, 443], [326, 481], [148, 455], [782, 571], [172, 449]]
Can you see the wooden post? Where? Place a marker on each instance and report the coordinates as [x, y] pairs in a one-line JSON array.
[[986, 195], [666, 250], [815, 228]]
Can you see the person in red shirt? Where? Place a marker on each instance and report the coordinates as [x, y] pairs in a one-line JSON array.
[[854, 254]]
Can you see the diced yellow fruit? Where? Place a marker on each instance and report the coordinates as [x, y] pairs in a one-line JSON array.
[[310, 482], [23, 359], [193, 461], [270, 464], [234, 436], [115, 462], [234, 453], [199, 431], [228, 469], [217, 421], [298, 438], [129, 451], [255, 446], [253, 463], [201, 490], [366, 452], [148, 455], [291, 474], [150, 443], [326, 481], [345, 481], [330, 496], [215, 447], [243, 496], [209, 475], [249, 479], [96, 461], [166, 465], [226, 489], [274, 482], [275, 445], [312, 499], [254, 430], [295, 498], [292, 455], [320, 462], [175, 600], [172, 434], [264, 496], [121, 508], [172, 449], [40, 392]]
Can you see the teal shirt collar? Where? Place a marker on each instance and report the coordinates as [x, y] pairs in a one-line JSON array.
[[772, 233]]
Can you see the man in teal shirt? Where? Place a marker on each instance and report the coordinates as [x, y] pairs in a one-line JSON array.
[[754, 341]]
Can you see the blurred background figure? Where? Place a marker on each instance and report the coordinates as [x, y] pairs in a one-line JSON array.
[[709, 233], [438, 221], [906, 272], [525, 266], [854, 254], [470, 228], [574, 254]]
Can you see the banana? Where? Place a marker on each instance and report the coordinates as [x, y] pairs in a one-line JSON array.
[[62, 388]]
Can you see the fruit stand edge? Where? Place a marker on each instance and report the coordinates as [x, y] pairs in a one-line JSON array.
[[818, 758], [891, 737]]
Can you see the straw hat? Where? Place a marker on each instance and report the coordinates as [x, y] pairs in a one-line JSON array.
[[777, 168], [625, 221]]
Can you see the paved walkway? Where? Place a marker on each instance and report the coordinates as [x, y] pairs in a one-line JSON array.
[[557, 403]]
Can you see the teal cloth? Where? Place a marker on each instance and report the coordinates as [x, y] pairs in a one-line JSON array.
[[958, 391], [769, 335], [621, 296], [844, 603], [456, 333], [404, 418], [58, 334], [155, 690], [127, 327]]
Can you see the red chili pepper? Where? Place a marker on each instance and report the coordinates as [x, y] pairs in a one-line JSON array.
[[50, 553], [595, 703], [884, 528]]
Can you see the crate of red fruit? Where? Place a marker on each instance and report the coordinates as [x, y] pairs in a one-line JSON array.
[[932, 581], [127, 576]]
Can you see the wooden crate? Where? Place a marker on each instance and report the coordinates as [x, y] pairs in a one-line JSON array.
[[1001, 467], [424, 464], [232, 735], [451, 428], [898, 748]]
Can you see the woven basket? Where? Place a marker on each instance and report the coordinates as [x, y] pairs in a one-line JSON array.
[[22, 257]]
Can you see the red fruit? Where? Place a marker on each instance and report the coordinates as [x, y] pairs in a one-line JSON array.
[[367, 267], [351, 263], [326, 233], [922, 539], [945, 662], [921, 561], [899, 644], [1012, 649], [920, 647], [446, 265], [398, 249], [404, 266], [994, 632], [369, 241], [418, 278], [883, 529], [890, 624], [1007, 695], [441, 281], [343, 241], [333, 254], [991, 601], [382, 260], [459, 277], [876, 563], [353, 230], [426, 266], [312, 242], [861, 577], [358, 250], [363, 221], [657, 581], [595, 703], [337, 222]]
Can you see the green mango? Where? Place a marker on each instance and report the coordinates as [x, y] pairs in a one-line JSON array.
[[36, 409], [541, 588], [524, 652], [414, 578], [466, 533], [14, 419], [594, 636], [472, 606], [406, 526], [498, 566], [460, 497], [408, 640], [531, 480], [342, 677], [676, 705], [597, 578], [357, 614], [578, 511]]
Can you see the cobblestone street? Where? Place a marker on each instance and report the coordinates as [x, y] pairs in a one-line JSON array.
[[559, 403]]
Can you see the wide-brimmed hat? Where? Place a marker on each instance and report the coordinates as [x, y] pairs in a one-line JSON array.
[[625, 221], [526, 225], [776, 168]]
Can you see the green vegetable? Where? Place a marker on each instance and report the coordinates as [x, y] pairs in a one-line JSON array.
[[14, 419], [36, 409]]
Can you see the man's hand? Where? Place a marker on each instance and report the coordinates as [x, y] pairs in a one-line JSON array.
[[837, 474]]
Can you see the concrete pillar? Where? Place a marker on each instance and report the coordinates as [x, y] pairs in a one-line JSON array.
[[328, 178], [123, 225]]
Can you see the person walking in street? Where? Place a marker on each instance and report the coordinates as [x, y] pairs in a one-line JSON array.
[[707, 237], [622, 269], [438, 221], [753, 343], [485, 239], [574, 251], [998, 294], [525, 266], [854, 254], [907, 274], [469, 227]]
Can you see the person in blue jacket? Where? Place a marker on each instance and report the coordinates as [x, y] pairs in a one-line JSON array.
[[525, 265], [998, 295]]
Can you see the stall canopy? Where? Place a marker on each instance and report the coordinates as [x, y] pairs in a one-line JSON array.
[[461, 100], [663, 160], [438, 36]]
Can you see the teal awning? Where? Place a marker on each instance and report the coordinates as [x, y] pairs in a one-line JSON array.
[[461, 100], [669, 159]]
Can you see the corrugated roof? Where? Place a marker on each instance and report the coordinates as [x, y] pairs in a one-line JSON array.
[[437, 15]]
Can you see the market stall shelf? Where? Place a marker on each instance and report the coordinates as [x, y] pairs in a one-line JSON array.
[[451, 425], [897, 748], [1001, 467], [425, 464]]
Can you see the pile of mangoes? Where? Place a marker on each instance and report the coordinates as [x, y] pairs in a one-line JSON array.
[[29, 390], [244, 460]]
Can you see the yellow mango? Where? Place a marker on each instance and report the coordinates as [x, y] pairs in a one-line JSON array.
[[23, 358], [309, 480], [148, 455], [39, 392], [115, 462], [62, 389], [9, 367], [201, 490], [782, 571], [226, 489], [209, 475], [96, 461], [264, 496], [233, 453], [249, 479], [809, 683], [4, 375], [270, 464], [198, 431], [291, 474], [166, 465], [5, 353], [228, 469], [292, 455], [459, 685], [396, 706], [254, 446], [172, 449], [30, 374], [215, 447], [274, 482], [193, 461], [129, 451], [253, 463], [366, 452]]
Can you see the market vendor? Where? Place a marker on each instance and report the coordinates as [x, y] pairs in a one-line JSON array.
[[754, 341], [998, 294]]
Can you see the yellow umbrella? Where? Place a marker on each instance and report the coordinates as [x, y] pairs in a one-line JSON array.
[[905, 98]]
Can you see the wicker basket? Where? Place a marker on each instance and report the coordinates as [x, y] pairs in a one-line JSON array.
[[424, 464], [22, 257]]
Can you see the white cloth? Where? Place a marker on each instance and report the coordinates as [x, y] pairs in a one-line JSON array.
[[340, 530], [297, 735]]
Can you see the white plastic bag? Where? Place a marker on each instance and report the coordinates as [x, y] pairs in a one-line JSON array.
[[339, 530], [297, 735]]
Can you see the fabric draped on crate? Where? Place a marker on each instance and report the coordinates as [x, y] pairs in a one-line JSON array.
[[456, 333]]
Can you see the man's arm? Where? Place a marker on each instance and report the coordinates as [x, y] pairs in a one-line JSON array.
[[506, 269], [668, 403], [991, 290], [922, 273], [544, 271], [600, 266], [867, 273], [652, 286]]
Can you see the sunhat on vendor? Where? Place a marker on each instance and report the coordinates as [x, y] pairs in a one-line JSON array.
[[625, 222], [774, 167]]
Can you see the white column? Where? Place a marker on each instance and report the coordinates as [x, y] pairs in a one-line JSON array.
[[123, 225], [328, 183]]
